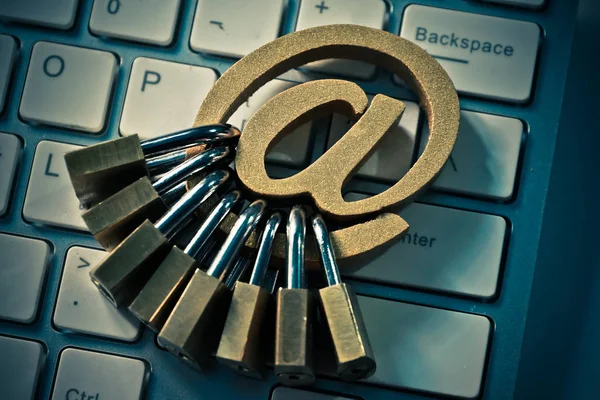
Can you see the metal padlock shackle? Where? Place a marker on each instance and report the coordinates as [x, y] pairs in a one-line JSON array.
[[158, 297]]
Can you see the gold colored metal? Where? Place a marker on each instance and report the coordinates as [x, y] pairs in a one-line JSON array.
[[113, 219], [293, 337], [354, 355], [124, 271], [157, 299], [101, 170], [242, 346], [194, 327], [322, 181]]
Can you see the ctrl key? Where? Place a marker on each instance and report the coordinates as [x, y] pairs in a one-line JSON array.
[[87, 375]]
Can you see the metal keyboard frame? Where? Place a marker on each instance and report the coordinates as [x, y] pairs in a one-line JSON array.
[[525, 212]]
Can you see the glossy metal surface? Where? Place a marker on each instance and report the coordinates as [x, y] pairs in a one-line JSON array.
[[332, 272], [296, 235], [205, 134], [193, 166], [261, 264], [210, 224], [160, 164], [184, 209], [236, 239]]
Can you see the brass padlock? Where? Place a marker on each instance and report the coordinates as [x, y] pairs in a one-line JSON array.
[[114, 218], [103, 169], [294, 315], [158, 297], [124, 271], [242, 343], [354, 355], [193, 329]]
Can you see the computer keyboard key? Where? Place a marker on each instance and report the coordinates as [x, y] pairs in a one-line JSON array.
[[10, 150], [81, 308], [485, 56], [163, 97], [89, 375], [59, 14], [392, 157], [234, 28], [519, 3], [69, 87], [293, 149], [20, 365], [50, 198], [147, 21], [371, 13], [22, 274], [485, 156], [445, 250], [8, 53], [426, 349], [286, 393]]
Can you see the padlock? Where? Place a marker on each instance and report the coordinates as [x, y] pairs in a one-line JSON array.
[[114, 218], [157, 298], [241, 344], [294, 315], [103, 169], [342, 314], [124, 271], [194, 327]]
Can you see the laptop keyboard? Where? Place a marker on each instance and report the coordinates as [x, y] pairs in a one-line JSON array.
[[119, 67]]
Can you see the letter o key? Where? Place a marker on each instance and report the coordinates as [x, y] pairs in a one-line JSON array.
[[323, 180]]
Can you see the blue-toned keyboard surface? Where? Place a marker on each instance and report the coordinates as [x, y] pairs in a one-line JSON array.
[[445, 308]]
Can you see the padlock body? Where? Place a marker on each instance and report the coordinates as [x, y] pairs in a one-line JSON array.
[[123, 272], [159, 295], [193, 329], [101, 170], [242, 346], [353, 351], [293, 337], [114, 218]]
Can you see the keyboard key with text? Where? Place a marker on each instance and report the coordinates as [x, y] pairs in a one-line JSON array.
[[485, 56], [234, 28], [22, 273], [163, 96], [147, 21], [293, 148], [80, 307], [485, 157], [8, 54], [98, 376], [10, 151], [50, 198], [59, 14], [371, 13], [20, 365], [68, 87], [445, 250]]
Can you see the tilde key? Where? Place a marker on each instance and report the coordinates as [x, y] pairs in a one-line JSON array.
[[157, 298], [114, 218], [243, 334], [193, 329], [294, 315], [353, 351], [101, 170], [124, 271]]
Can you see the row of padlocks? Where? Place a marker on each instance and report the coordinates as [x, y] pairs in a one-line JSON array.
[[208, 298]]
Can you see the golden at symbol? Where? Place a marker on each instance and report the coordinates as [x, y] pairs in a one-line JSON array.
[[322, 181]]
